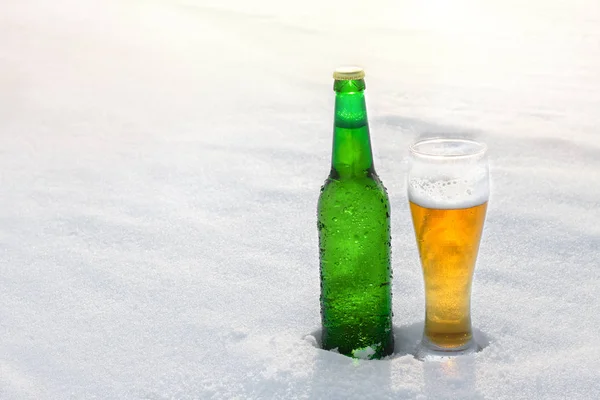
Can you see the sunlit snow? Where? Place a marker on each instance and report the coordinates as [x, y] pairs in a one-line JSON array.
[[160, 164]]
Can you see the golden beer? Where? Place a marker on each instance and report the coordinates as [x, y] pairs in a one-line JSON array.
[[448, 192], [448, 242]]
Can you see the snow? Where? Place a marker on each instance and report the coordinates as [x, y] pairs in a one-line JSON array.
[[160, 163]]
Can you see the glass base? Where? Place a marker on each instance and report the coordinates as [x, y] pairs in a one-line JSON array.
[[429, 351]]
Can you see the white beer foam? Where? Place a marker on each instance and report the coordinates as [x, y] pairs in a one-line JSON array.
[[450, 191]]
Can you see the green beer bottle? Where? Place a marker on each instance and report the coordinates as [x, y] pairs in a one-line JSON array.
[[354, 234]]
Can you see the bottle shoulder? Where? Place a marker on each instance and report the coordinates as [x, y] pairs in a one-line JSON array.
[[354, 189], [369, 179]]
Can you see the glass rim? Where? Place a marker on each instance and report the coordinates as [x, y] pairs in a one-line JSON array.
[[479, 148]]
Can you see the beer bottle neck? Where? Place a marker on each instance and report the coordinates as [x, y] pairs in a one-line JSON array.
[[351, 154]]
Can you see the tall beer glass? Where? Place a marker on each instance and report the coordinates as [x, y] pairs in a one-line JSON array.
[[448, 191]]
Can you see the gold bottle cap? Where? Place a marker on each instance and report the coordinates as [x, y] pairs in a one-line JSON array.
[[348, 73]]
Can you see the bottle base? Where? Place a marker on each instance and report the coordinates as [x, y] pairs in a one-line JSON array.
[[355, 342]]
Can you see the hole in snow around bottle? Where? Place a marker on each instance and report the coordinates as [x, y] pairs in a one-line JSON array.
[[406, 339]]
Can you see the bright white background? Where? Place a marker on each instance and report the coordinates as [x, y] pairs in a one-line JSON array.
[[160, 163]]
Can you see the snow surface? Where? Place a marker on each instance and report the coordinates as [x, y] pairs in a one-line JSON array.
[[160, 163]]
